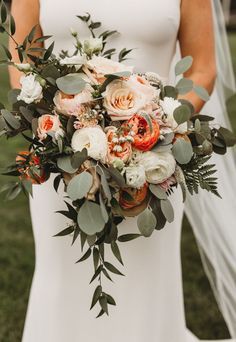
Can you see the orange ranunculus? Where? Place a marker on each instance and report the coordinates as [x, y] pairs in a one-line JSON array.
[[126, 149], [138, 196], [25, 160], [144, 136]]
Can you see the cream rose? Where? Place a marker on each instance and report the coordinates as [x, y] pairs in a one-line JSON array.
[[135, 176], [169, 104], [48, 123], [158, 166], [93, 139], [124, 98], [102, 66], [31, 89], [70, 104], [77, 61]]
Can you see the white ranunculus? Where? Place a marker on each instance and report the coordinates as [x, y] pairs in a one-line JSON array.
[[25, 67], [169, 104], [77, 61], [31, 90], [92, 138], [124, 98], [159, 166], [92, 45], [135, 176]]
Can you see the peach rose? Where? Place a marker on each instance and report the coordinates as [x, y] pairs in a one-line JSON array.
[[138, 195], [49, 123], [71, 104], [116, 149], [101, 66], [144, 136], [124, 98], [24, 161]]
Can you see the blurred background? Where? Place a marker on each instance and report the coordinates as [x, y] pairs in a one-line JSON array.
[[17, 246]]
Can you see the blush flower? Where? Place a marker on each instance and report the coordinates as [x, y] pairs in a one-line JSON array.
[[101, 66], [124, 98], [48, 123], [71, 104]]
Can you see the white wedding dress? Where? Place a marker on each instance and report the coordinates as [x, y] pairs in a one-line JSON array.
[[150, 305]]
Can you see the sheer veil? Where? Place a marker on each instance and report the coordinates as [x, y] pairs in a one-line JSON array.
[[214, 220]]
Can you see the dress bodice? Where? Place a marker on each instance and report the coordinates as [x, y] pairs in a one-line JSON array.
[[150, 27]]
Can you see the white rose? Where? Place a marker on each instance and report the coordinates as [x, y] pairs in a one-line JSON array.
[[31, 90], [124, 98], [158, 166], [77, 60], [92, 138], [169, 104], [92, 45], [102, 66], [25, 67], [135, 176]]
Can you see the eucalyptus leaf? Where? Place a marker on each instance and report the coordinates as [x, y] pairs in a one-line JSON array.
[[158, 191], [183, 65], [103, 208], [229, 137], [64, 163], [170, 91], [27, 113], [182, 151], [78, 158], [79, 185], [184, 86], [71, 84], [167, 210], [146, 222], [11, 119], [90, 219], [182, 114], [201, 92], [12, 95]]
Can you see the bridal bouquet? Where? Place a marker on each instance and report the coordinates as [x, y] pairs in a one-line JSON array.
[[121, 142]]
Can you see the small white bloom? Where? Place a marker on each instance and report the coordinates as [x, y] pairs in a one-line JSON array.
[[159, 166], [31, 90], [117, 148], [92, 45], [169, 104], [135, 176], [115, 140], [25, 67], [93, 139]]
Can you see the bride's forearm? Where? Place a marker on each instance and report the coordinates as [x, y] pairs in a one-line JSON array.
[[204, 79]]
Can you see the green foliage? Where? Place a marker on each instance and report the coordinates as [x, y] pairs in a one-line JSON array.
[[199, 174]]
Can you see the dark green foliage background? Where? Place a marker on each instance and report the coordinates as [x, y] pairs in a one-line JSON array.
[[17, 256]]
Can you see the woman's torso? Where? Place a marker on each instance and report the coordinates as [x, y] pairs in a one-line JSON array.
[[150, 27]]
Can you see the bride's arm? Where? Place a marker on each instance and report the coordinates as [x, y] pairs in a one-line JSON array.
[[196, 37], [26, 15]]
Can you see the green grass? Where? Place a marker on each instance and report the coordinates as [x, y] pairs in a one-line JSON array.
[[17, 257]]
